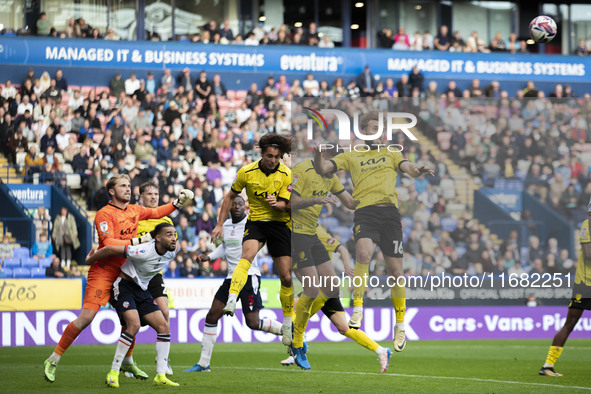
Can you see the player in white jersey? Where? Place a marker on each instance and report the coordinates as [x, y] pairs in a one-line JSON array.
[[250, 296], [133, 301]]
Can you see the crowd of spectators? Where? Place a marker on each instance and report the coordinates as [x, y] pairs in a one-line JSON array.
[[210, 33], [189, 131], [444, 40]]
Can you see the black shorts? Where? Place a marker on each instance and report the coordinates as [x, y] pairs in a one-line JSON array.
[[128, 295], [307, 251], [250, 295], [156, 287], [581, 297], [276, 234], [332, 306], [383, 226]]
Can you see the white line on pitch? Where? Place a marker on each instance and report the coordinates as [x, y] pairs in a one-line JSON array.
[[414, 376]]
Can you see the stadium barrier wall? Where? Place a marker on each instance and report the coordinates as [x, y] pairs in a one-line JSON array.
[[557, 226], [40, 294], [240, 65], [15, 219], [37, 328]]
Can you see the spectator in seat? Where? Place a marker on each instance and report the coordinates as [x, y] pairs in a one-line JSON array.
[[16, 143], [51, 159], [188, 270], [326, 42], [530, 90], [55, 270], [53, 93], [512, 43], [42, 248], [203, 86], [218, 87], [33, 163], [60, 81], [172, 271], [226, 32], [442, 41], [143, 151], [497, 44], [401, 40], [131, 84], [117, 85], [204, 223], [415, 79], [581, 50], [385, 39], [65, 236], [366, 82], [185, 233], [43, 25], [186, 80], [403, 86], [6, 249]]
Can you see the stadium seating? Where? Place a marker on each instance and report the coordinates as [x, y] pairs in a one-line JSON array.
[[21, 273], [29, 262], [46, 262], [6, 272], [11, 262], [21, 253], [37, 272]]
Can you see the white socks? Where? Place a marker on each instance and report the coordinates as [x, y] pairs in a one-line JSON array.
[[272, 326], [162, 350], [123, 345], [210, 333]]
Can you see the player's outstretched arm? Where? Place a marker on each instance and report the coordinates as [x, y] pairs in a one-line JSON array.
[[279, 204], [347, 200], [106, 252], [297, 202], [224, 210], [322, 166], [415, 171]]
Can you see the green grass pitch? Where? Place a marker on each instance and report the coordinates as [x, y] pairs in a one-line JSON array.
[[429, 366]]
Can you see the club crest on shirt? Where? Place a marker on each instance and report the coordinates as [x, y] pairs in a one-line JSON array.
[[104, 226], [126, 304]]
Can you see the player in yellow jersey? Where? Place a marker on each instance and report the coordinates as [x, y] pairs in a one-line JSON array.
[[580, 301], [314, 267], [268, 186], [377, 219]]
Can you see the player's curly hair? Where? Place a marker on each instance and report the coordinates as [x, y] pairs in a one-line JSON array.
[[159, 228], [276, 141], [366, 118]]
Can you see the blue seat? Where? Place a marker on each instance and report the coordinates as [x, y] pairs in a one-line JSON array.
[[45, 262], [21, 273], [11, 262], [29, 262], [21, 253], [37, 272], [6, 272]]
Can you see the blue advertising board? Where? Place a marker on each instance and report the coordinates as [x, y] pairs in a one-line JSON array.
[[32, 196], [508, 200], [134, 55]]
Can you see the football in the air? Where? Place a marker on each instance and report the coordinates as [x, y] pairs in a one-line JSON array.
[[542, 29]]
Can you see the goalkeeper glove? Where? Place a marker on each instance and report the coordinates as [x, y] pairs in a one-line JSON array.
[[147, 237], [185, 196]]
